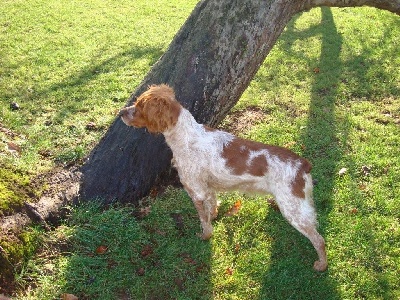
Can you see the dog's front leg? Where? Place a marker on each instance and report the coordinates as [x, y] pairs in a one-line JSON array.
[[205, 218], [199, 195]]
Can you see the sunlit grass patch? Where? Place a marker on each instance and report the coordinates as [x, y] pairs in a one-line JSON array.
[[70, 67], [329, 90]]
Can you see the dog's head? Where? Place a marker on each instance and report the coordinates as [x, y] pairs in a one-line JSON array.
[[156, 109]]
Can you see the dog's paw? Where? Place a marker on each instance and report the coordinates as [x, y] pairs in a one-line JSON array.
[[205, 235], [320, 266]]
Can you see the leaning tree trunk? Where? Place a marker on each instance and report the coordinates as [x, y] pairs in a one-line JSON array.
[[209, 63]]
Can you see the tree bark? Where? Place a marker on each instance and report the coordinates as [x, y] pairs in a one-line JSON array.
[[209, 63]]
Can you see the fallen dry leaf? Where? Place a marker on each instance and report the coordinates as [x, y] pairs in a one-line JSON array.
[[146, 250], [354, 211], [188, 259], [14, 148], [69, 297], [101, 249], [362, 187], [229, 271], [200, 268], [45, 153], [145, 211], [142, 212], [234, 209], [237, 248], [91, 126], [290, 144], [140, 271], [7, 132], [180, 283], [154, 192]]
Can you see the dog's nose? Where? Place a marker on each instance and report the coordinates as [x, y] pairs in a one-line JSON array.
[[126, 114], [126, 110], [122, 112]]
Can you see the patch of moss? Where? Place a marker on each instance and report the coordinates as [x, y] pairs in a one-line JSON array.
[[14, 190], [15, 251]]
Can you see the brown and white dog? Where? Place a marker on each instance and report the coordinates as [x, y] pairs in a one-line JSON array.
[[210, 160]]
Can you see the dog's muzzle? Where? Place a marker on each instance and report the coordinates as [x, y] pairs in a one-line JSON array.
[[126, 114]]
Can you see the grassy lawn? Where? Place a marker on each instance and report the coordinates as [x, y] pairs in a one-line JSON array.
[[329, 90], [70, 66]]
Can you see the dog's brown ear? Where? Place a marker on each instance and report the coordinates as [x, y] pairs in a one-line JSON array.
[[160, 109]]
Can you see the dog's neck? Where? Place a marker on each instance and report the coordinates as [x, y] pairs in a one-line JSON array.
[[180, 135]]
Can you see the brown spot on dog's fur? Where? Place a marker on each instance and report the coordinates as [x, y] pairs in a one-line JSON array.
[[237, 153], [299, 181], [258, 166]]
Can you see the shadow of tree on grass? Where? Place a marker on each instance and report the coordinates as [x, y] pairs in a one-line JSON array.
[[324, 151]]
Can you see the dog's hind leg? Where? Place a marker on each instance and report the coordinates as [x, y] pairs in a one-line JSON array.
[[300, 213], [214, 205], [205, 218], [318, 242]]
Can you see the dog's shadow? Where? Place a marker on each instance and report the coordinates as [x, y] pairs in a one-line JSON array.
[[292, 255]]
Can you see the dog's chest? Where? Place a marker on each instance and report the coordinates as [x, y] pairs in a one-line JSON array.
[[196, 158]]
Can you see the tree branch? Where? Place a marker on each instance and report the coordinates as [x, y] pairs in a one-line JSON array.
[[389, 5]]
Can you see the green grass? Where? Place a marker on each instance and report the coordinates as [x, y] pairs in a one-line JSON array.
[[71, 63], [140, 260], [329, 90]]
